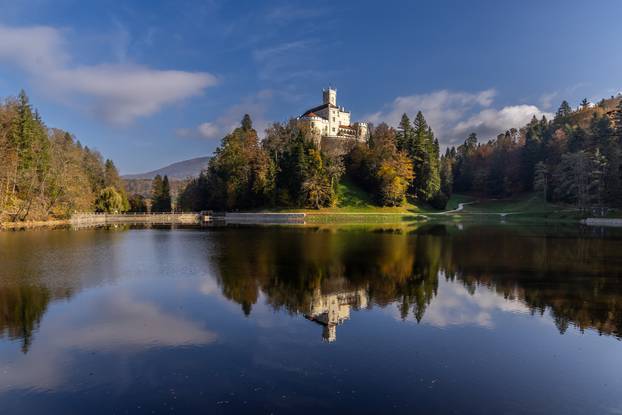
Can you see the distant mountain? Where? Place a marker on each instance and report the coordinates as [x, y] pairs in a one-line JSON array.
[[180, 170]]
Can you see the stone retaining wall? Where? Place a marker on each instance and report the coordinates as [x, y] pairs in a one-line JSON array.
[[87, 219], [263, 218]]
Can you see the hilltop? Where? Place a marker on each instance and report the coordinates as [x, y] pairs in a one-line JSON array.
[[181, 170]]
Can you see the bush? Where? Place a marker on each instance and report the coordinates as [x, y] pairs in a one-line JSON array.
[[439, 201]]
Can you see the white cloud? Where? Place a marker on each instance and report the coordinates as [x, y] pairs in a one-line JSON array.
[[209, 130], [118, 93], [490, 122], [254, 105], [454, 114]]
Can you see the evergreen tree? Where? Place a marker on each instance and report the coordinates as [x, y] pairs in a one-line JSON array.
[[247, 123], [562, 114], [618, 122], [577, 139], [541, 179], [157, 194], [404, 136], [425, 162], [241, 173], [165, 201], [596, 186]]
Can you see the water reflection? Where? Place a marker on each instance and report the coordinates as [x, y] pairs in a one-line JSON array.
[[571, 274], [331, 309], [227, 320], [323, 274]]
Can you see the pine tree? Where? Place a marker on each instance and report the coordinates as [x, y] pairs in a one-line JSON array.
[[157, 193], [419, 153], [540, 179], [596, 186], [166, 195], [405, 134], [531, 153], [563, 112], [247, 123]]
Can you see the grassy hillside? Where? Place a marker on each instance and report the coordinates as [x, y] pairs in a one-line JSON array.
[[527, 206]]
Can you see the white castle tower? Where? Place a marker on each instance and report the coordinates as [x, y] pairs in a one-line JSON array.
[[331, 121]]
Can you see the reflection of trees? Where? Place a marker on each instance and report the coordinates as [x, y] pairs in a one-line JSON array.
[[576, 277], [41, 267], [288, 265], [21, 309]]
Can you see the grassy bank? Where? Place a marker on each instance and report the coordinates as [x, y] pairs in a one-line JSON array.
[[523, 207]]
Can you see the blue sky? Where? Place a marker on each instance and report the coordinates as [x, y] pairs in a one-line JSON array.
[[153, 82]]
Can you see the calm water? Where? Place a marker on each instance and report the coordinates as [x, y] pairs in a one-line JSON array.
[[475, 320]]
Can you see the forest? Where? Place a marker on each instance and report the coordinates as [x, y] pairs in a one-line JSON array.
[[573, 159], [46, 173]]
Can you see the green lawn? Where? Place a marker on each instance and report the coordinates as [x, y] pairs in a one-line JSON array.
[[354, 205], [526, 206]]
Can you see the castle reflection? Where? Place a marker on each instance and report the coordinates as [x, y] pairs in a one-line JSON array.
[[331, 309]]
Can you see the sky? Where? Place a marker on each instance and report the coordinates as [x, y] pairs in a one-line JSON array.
[[149, 83]]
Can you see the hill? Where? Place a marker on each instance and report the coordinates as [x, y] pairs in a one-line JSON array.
[[178, 171]]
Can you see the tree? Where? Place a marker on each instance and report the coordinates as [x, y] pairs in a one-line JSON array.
[[446, 174], [618, 122], [382, 169], [246, 123], [404, 137], [241, 174], [541, 179], [424, 154], [44, 172], [563, 112], [160, 195], [112, 178], [137, 204], [109, 201], [194, 197]]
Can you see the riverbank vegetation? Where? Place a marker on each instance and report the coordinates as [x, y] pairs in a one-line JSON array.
[[47, 173]]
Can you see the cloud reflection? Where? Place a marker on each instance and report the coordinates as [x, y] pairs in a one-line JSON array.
[[103, 321], [455, 305]]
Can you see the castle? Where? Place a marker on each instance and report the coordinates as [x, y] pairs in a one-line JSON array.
[[329, 121]]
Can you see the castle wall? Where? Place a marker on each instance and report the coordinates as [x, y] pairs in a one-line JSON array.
[[336, 146]]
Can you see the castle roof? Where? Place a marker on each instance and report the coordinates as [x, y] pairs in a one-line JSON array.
[[318, 108]]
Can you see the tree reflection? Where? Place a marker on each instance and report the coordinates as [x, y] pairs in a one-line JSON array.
[[21, 310], [574, 276]]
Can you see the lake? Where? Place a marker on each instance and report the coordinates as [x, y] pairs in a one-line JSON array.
[[445, 319]]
